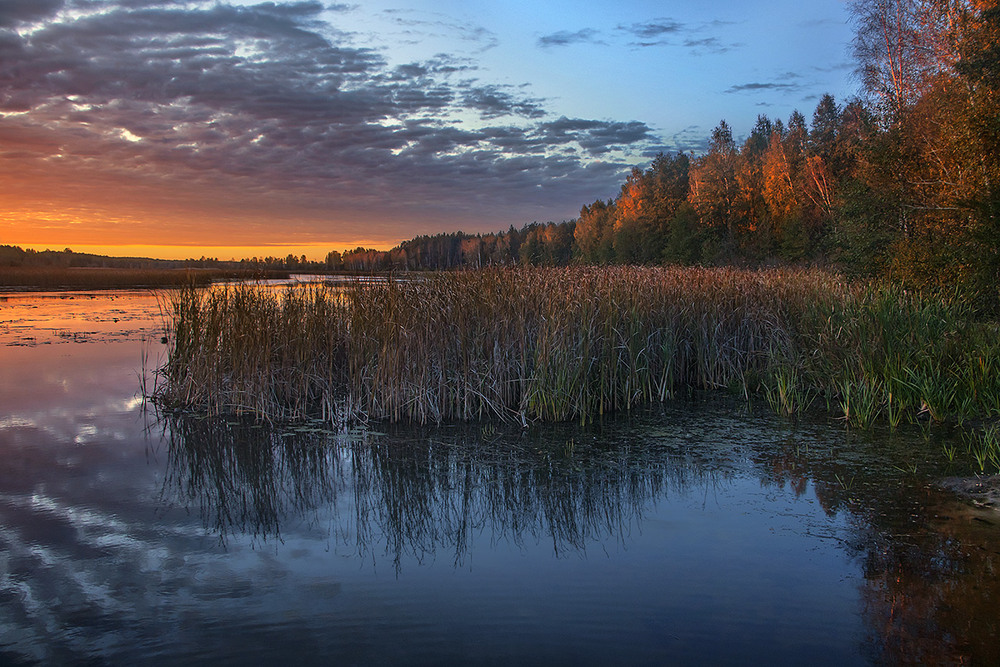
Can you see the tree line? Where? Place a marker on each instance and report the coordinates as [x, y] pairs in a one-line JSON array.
[[901, 183]]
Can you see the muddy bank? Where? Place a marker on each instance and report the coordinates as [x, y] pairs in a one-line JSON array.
[[983, 492]]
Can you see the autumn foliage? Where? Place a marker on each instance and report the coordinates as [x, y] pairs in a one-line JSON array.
[[902, 183]]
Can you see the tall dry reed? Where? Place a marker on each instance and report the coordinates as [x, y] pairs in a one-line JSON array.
[[568, 343]]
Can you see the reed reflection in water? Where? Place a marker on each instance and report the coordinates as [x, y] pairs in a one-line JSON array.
[[925, 581], [697, 533], [421, 493]]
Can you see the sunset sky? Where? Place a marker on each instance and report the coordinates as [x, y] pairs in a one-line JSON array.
[[230, 129]]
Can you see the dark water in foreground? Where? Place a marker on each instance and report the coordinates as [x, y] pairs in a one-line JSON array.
[[695, 533]]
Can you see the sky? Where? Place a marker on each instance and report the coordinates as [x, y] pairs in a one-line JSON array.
[[232, 129]]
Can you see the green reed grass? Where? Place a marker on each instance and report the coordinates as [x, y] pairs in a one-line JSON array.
[[984, 448], [574, 343], [878, 351]]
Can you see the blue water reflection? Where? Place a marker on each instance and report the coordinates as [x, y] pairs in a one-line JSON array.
[[696, 533]]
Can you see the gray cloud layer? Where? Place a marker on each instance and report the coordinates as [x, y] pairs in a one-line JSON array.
[[565, 38], [272, 97], [658, 32]]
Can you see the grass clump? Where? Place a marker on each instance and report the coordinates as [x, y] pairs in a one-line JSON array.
[[880, 352], [984, 448], [573, 343]]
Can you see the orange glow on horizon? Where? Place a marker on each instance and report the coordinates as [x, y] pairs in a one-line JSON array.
[[312, 251], [179, 234]]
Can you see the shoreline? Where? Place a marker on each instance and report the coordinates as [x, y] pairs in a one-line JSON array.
[[982, 492]]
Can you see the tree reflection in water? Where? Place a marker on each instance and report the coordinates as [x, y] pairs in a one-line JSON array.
[[929, 589], [929, 561], [421, 492]]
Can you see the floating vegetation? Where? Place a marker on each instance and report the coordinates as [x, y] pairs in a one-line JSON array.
[[574, 343]]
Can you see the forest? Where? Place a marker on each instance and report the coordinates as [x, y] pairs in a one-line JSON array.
[[901, 183]]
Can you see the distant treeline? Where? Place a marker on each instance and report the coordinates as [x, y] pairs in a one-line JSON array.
[[14, 256], [22, 269], [549, 244]]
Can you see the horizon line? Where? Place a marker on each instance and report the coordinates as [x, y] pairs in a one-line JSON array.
[[312, 251]]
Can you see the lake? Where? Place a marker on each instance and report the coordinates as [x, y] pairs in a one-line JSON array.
[[699, 531]]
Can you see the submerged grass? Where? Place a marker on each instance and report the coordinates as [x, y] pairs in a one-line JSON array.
[[575, 343]]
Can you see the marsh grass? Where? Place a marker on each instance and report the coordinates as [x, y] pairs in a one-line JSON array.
[[880, 352], [574, 343], [984, 448]]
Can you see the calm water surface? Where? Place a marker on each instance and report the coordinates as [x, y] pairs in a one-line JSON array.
[[699, 532]]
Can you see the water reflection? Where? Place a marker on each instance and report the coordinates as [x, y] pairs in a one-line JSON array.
[[929, 561], [698, 533], [245, 478], [420, 493], [927, 581]]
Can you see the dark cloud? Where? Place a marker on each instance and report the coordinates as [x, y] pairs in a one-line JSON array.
[[592, 136], [667, 32], [652, 32], [268, 99], [566, 38], [837, 67], [712, 45], [493, 102], [13, 12], [757, 86]]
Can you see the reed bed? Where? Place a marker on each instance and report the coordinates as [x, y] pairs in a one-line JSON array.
[[882, 354], [573, 343]]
